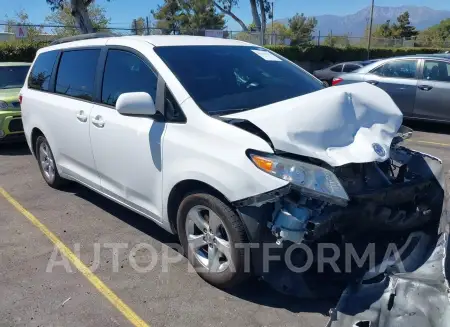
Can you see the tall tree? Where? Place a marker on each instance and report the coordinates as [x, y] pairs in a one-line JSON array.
[[138, 26], [404, 28], [302, 28], [226, 7], [21, 18], [62, 15], [202, 15], [436, 36], [192, 15], [383, 30]]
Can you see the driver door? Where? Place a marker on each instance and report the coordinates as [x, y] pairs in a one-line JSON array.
[[127, 149]]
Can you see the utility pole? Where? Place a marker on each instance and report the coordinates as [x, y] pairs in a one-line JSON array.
[[370, 29], [272, 39], [148, 27]]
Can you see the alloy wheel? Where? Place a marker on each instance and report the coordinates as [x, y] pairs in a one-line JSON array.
[[47, 162], [208, 239]]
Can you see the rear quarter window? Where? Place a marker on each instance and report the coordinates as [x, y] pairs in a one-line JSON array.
[[41, 71]]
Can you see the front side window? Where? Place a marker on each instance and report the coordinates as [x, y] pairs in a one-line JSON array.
[[397, 69], [76, 73], [337, 68], [12, 77], [436, 71], [226, 79], [41, 72], [126, 72]]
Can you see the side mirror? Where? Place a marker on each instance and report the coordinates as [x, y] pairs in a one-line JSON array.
[[136, 104]]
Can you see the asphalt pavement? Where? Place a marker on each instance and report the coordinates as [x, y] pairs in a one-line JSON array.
[[40, 287]]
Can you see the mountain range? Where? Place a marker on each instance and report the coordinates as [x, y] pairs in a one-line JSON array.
[[355, 24]]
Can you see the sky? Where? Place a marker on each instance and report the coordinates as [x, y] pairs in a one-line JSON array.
[[122, 12]]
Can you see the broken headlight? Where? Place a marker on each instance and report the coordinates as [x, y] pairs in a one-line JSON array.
[[311, 179]]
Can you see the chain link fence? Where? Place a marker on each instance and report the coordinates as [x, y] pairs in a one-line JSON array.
[[48, 33]]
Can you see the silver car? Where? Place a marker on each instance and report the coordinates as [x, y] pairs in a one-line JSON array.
[[419, 84], [327, 74]]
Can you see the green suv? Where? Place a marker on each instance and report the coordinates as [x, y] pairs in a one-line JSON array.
[[12, 77]]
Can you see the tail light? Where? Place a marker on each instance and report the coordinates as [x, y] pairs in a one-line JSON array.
[[336, 81], [20, 98]]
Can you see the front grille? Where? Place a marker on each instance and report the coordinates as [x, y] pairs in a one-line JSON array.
[[15, 125]]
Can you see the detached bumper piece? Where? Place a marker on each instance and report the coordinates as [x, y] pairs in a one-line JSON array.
[[417, 297]]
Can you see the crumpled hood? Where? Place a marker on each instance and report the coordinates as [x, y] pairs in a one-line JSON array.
[[352, 123]]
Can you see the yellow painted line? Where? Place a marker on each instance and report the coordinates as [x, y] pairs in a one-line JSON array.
[[428, 142], [98, 284]]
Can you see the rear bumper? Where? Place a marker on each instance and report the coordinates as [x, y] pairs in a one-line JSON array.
[[13, 138]]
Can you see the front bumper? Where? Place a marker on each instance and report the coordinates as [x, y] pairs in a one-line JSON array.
[[407, 288], [11, 129]]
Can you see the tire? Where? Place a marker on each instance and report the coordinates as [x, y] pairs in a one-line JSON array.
[[226, 269], [47, 163], [326, 83]]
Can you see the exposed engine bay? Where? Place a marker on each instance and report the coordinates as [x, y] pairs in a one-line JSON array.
[[399, 201]]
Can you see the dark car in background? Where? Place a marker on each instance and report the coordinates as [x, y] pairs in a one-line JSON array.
[[419, 85], [326, 75]]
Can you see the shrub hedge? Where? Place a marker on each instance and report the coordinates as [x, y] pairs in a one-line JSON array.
[[19, 50], [330, 54], [25, 51]]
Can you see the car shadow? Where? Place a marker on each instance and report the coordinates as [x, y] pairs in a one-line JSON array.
[[14, 149], [254, 290], [428, 127]]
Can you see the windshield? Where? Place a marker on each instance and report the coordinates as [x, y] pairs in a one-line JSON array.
[[226, 79], [13, 76]]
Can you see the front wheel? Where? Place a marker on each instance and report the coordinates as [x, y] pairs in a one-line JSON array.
[[211, 233], [47, 163]]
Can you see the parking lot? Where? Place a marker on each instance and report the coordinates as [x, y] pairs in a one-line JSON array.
[[116, 294]]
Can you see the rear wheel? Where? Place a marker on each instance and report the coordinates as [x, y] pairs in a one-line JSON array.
[[47, 163], [209, 231]]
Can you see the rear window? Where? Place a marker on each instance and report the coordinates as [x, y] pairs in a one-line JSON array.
[[41, 72], [226, 79], [76, 73], [337, 68], [350, 67], [12, 77]]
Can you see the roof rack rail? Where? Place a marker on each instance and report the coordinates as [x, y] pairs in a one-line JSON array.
[[82, 37]]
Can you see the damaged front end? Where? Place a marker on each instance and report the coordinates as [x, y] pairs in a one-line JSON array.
[[391, 218]]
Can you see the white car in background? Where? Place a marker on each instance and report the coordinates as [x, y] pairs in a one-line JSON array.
[[226, 143]]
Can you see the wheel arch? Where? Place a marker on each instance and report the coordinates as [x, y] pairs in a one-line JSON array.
[[179, 192], [35, 133]]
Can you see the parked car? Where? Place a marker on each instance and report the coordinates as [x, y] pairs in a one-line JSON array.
[[236, 149], [12, 77], [419, 85], [326, 75]]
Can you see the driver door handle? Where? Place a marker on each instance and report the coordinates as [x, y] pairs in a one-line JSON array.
[[81, 116], [372, 82], [98, 121], [425, 87]]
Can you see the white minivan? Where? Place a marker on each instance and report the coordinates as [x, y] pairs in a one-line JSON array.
[[226, 144]]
